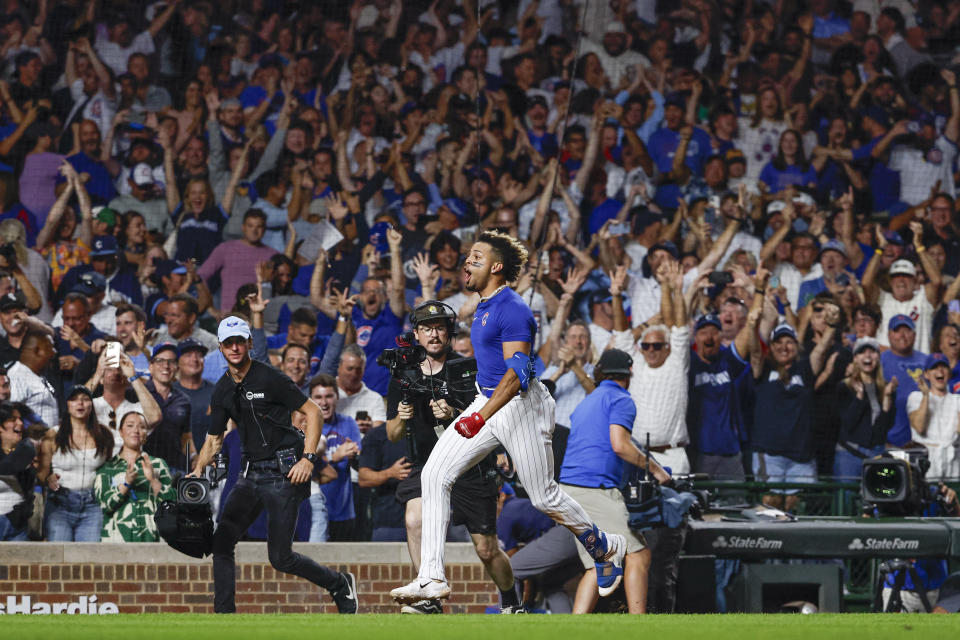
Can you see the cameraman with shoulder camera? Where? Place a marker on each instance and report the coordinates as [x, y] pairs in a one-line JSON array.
[[422, 419], [275, 470]]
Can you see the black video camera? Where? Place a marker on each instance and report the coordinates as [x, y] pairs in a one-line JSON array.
[[407, 355], [893, 483], [459, 374], [645, 497], [186, 524]]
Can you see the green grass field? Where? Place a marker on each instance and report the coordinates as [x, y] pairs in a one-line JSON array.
[[489, 627]]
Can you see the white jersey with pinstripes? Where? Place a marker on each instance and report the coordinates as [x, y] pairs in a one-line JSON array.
[[524, 426], [660, 394]]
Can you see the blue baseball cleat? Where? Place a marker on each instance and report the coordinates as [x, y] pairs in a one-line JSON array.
[[608, 556]]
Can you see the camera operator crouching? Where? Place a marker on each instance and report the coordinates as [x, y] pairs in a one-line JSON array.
[[427, 391], [275, 472]]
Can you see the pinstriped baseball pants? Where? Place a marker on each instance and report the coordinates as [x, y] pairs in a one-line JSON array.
[[524, 426]]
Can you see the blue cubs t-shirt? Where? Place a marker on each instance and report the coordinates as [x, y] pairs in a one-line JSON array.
[[590, 460], [715, 418], [662, 147], [374, 335], [903, 368], [339, 493], [254, 95], [504, 317], [520, 523], [793, 175]]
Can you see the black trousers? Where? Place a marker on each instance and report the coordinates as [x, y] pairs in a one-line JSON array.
[[665, 545], [258, 491]]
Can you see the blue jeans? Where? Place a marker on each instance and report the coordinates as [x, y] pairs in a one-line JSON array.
[[389, 534], [318, 521], [771, 468], [72, 516], [847, 466], [9, 534]]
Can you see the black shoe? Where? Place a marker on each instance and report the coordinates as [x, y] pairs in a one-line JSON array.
[[345, 596], [514, 608], [423, 607]]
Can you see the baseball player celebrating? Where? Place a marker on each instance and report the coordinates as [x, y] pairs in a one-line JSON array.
[[513, 409]]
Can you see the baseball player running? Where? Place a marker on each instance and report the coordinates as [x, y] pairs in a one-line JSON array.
[[513, 409]]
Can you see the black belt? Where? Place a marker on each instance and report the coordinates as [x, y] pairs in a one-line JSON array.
[[264, 465]]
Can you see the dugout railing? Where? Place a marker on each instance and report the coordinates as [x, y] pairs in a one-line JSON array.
[[825, 498]]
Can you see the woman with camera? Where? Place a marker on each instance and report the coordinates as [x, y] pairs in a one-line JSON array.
[[17, 475], [130, 485], [69, 459]]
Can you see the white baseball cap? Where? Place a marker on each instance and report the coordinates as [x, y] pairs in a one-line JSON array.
[[142, 175], [903, 268], [232, 327], [866, 342]]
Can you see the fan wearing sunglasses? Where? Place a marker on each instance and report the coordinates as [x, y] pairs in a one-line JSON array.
[[659, 384]]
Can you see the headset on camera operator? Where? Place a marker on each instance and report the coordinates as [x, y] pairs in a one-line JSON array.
[[430, 385]]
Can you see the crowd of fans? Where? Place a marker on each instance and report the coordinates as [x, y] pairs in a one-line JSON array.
[[757, 199]]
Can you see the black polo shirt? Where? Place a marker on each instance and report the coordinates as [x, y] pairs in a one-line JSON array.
[[260, 405]]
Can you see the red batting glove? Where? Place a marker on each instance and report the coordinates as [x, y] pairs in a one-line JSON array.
[[469, 426]]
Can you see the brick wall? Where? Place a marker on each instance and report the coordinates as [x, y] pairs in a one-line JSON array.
[[146, 578]]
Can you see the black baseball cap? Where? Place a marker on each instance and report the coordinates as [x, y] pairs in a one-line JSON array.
[[164, 346], [79, 388], [91, 283], [13, 300], [190, 344], [708, 320], [615, 361], [432, 310]]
